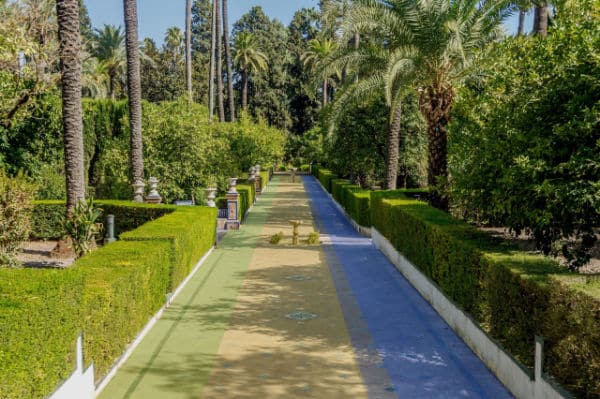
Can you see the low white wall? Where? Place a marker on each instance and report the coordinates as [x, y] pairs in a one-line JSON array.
[[80, 385], [519, 381]]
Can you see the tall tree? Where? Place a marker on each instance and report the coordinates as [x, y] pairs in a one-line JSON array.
[[201, 40], [248, 59], [188, 48], [230, 95], [211, 74], [109, 48], [319, 50], [69, 38], [134, 89], [540, 19], [220, 101]]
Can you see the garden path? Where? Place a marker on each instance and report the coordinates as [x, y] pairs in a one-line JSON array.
[[262, 321]]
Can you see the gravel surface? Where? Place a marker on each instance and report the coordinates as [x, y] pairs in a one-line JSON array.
[[38, 254]]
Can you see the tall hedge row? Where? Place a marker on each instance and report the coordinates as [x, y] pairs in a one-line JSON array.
[[355, 200], [108, 295], [513, 295], [47, 216]]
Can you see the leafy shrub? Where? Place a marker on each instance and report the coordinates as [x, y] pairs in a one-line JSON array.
[[81, 227], [537, 136], [16, 195], [512, 295], [313, 238], [276, 238], [247, 192]]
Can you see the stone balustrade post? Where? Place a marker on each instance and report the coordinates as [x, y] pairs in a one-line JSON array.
[[233, 201]]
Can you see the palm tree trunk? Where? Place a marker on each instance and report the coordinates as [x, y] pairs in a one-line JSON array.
[[521, 27], [220, 100], [211, 73], [188, 48], [244, 89], [111, 84], [391, 157], [435, 107], [540, 20], [70, 66], [230, 95], [356, 46], [325, 94], [134, 89]]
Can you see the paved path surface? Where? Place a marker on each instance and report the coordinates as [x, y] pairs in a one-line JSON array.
[[323, 321]]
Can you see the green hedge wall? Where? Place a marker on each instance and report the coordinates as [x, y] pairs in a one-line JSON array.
[[325, 176], [265, 176], [190, 231], [247, 192], [109, 295], [47, 216], [513, 295]]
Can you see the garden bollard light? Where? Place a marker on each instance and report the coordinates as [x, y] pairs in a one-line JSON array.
[[110, 229]]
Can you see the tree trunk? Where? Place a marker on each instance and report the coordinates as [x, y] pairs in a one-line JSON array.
[[391, 156], [134, 90], [70, 67], [325, 94], [436, 107], [244, 89], [220, 100], [356, 46], [111, 83], [188, 48], [230, 95], [540, 20], [521, 27], [211, 73]]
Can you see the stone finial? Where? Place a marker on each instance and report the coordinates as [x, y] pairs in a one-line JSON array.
[[138, 190], [232, 184], [153, 197], [252, 173], [211, 194]]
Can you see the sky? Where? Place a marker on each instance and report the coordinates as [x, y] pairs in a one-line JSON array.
[[155, 16]]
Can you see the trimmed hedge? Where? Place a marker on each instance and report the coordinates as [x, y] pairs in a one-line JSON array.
[[47, 216], [325, 176], [355, 200], [190, 231], [265, 176], [513, 295], [109, 295], [247, 192]]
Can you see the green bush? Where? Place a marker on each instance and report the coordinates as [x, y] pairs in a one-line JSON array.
[[265, 176], [109, 295], [48, 216], [191, 231], [247, 192], [513, 295], [325, 176], [16, 195], [358, 206]]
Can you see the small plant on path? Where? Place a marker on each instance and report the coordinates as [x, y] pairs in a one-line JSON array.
[[276, 238], [313, 238], [82, 228]]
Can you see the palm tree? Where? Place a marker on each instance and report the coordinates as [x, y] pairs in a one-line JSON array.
[[220, 100], [70, 66], [437, 42], [318, 51], [248, 59], [230, 95], [134, 89], [173, 46], [211, 73], [109, 47], [460, 30], [188, 48], [376, 70]]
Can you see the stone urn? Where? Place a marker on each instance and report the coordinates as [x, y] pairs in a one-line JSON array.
[[232, 184], [138, 190], [211, 194], [153, 197]]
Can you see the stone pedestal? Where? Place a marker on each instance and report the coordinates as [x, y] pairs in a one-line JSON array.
[[233, 202], [258, 181], [110, 229]]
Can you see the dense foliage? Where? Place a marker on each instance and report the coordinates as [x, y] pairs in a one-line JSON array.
[[534, 117]]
